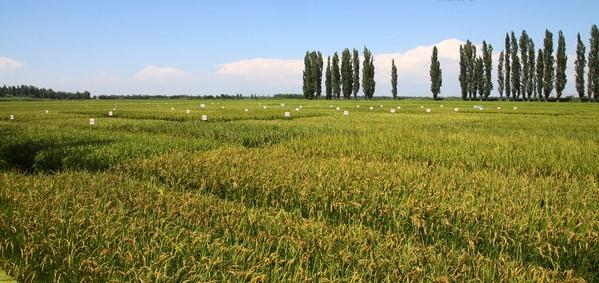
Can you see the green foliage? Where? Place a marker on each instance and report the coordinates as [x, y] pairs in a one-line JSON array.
[[593, 75], [548, 65], [487, 78], [368, 83], [328, 80], [524, 44], [393, 79], [579, 65], [562, 59], [356, 74], [501, 75], [540, 74], [464, 73], [336, 77], [516, 69], [346, 74], [508, 66], [531, 82], [435, 73]]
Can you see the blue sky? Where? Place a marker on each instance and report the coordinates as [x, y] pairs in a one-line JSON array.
[[202, 47]]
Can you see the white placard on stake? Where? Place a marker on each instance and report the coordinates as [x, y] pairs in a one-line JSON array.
[[172, 108], [287, 114], [441, 106], [392, 110], [371, 107], [264, 106], [381, 105], [297, 109], [92, 121], [300, 107], [110, 113], [245, 110], [498, 108], [421, 107], [12, 117], [357, 106], [330, 106], [398, 107], [456, 109], [282, 104], [46, 111], [338, 108], [345, 113], [515, 108], [202, 105], [187, 111], [204, 117], [428, 110]]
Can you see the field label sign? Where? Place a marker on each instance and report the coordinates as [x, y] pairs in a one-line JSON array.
[[204, 117], [287, 114], [92, 121]]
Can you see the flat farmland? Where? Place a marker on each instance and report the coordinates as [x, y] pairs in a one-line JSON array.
[[404, 190]]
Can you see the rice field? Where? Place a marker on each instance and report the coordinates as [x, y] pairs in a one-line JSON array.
[[240, 190]]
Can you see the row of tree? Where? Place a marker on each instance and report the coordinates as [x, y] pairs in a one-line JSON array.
[[342, 76], [35, 92], [524, 74]]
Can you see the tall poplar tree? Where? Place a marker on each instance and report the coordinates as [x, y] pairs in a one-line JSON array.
[[435, 72], [317, 64], [328, 80], [500, 75], [336, 77], [368, 83], [593, 77], [540, 75], [516, 69], [488, 69], [463, 74], [470, 56], [524, 40], [579, 64], [531, 84], [308, 84], [346, 74], [548, 72], [561, 61], [508, 66], [356, 75], [480, 74], [393, 79]]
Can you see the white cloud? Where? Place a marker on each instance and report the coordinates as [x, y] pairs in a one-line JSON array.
[[261, 67], [153, 73], [9, 65]]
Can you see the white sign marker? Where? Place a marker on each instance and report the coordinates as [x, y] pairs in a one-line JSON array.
[[441, 106], [282, 104], [381, 105], [515, 108], [398, 107], [330, 106], [428, 110], [338, 108], [345, 113], [421, 107], [172, 108], [297, 109], [392, 110], [245, 110], [287, 114], [222, 107], [264, 106], [371, 107], [456, 109], [12, 117], [498, 108], [110, 113], [46, 111], [92, 121], [204, 117], [187, 111], [300, 107], [357, 106], [202, 105]]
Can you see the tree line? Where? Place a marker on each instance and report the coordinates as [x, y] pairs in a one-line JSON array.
[[524, 73], [342, 75], [35, 92]]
